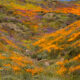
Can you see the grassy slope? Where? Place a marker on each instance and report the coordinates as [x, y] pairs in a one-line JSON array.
[[18, 29]]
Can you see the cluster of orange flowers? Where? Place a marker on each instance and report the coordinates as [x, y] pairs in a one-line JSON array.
[[73, 10], [58, 37], [13, 60], [63, 69], [74, 36], [28, 11], [48, 42], [72, 69], [35, 70], [69, 35], [9, 42]]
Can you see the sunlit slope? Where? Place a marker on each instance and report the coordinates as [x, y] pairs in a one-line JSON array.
[[31, 14], [13, 63], [28, 13], [61, 39], [64, 43], [75, 9], [69, 66]]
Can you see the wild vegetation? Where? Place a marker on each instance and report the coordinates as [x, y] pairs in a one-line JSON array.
[[39, 40]]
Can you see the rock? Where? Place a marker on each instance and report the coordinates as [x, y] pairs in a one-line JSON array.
[[46, 63], [28, 52]]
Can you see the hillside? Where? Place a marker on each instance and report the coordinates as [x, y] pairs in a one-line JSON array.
[[39, 40]]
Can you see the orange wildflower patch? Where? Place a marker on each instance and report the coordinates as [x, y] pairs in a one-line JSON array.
[[2, 57], [66, 10], [16, 68], [35, 70], [72, 69], [62, 70], [10, 42]]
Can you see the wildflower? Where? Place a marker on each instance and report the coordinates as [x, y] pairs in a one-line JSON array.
[[16, 68], [72, 69]]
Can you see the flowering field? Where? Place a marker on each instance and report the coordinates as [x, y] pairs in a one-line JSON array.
[[39, 40]]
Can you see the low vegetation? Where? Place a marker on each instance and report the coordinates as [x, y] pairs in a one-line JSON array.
[[39, 40]]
